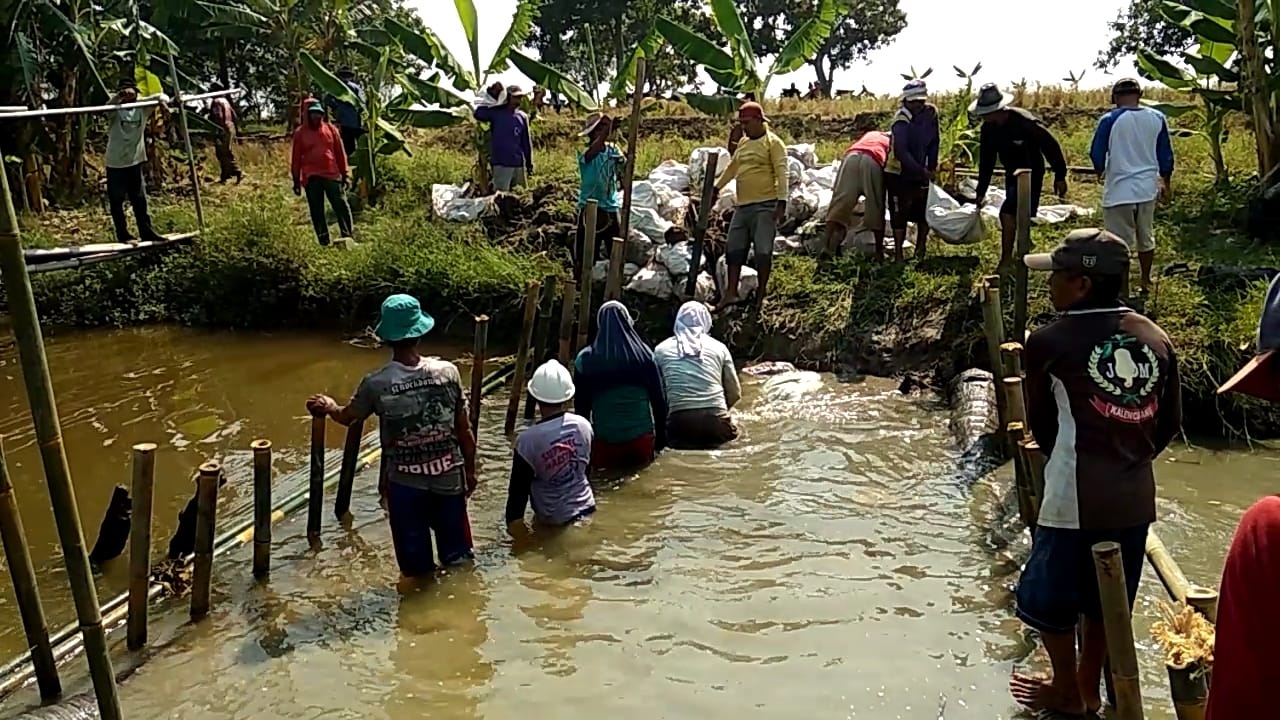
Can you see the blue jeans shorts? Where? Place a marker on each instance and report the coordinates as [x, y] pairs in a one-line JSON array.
[[416, 513], [1059, 583]]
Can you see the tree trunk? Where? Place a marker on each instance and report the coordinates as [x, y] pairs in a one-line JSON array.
[[819, 63], [1255, 86], [224, 66]]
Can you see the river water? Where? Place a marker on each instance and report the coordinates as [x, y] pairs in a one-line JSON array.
[[830, 564]]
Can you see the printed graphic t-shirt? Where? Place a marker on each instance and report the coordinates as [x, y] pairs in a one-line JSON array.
[[1103, 400], [550, 469], [417, 408]]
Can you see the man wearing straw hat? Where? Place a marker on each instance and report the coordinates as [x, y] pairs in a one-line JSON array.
[[1103, 400], [126, 154], [1019, 141], [600, 168], [510, 147], [912, 162], [429, 451]]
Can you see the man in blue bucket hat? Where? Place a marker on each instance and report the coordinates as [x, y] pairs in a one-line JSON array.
[[428, 449]]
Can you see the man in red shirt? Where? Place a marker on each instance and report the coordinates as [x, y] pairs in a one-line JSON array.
[[861, 176], [320, 165]]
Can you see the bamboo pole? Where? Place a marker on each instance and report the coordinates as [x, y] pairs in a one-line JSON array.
[[1167, 570], [347, 473], [704, 220], [88, 109], [541, 330], [25, 589], [479, 351], [568, 307], [206, 521], [613, 284], [186, 138], [589, 217], [1205, 601], [1027, 510], [1119, 629], [315, 498], [522, 351], [633, 138], [1015, 404], [993, 327], [144, 474], [48, 430], [1011, 363], [1189, 690], [1022, 240], [261, 507], [1035, 464]]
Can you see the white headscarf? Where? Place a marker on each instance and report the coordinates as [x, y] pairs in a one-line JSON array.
[[692, 322]]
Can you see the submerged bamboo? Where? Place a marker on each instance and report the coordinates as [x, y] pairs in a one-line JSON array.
[[48, 430], [1022, 248], [144, 473], [541, 332], [1189, 690], [1022, 474], [206, 521], [23, 574], [347, 473], [479, 352], [522, 352], [315, 501], [568, 308], [1167, 570], [704, 220], [1119, 628], [589, 217], [261, 507]]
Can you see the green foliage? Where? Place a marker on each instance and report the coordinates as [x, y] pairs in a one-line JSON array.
[[1142, 26]]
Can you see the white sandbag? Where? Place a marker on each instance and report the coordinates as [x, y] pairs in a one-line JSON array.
[[671, 174], [600, 271], [824, 196], [639, 247], [1045, 214], [675, 208], [648, 221], [795, 172], [824, 176], [955, 223], [698, 163], [448, 204], [728, 198], [644, 194], [806, 153], [704, 288], [748, 280], [789, 245], [802, 203], [676, 258], [652, 280]]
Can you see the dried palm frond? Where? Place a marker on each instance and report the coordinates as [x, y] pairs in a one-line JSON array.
[[1184, 635]]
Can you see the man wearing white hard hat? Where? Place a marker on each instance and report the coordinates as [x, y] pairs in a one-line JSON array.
[[549, 465]]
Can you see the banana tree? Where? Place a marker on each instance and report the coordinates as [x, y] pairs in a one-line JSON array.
[[454, 77], [734, 69]]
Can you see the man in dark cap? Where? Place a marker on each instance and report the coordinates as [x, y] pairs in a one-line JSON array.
[[126, 154], [510, 146], [345, 115], [1103, 400], [1019, 141], [1132, 151]]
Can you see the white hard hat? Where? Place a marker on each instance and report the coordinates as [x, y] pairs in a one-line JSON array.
[[551, 384]]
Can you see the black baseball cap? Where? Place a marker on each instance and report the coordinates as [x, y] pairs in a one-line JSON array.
[[1091, 251], [1126, 86]]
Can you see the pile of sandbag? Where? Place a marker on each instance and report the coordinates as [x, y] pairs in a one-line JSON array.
[[448, 204], [667, 271], [1045, 215]]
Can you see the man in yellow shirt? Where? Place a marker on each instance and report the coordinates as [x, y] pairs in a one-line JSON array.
[[759, 166]]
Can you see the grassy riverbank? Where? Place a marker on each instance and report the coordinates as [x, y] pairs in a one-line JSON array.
[[258, 264]]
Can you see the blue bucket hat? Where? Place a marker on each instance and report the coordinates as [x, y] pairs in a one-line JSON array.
[[402, 318]]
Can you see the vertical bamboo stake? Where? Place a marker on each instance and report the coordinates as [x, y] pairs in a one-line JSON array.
[[589, 215], [1205, 601], [1011, 362], [315, 492], [1022, 475], [613, 287], [704, 220], [1189, 690], [144, 473], [206, 521], [568, 305], [347, 472], [48, 428], [1119, 628], [993, 326], [23, 574], [186, 137], [522, 351], [541, 329], [633, 137], [261, 507], [1022, 241], [478, 356], [1035, 463]]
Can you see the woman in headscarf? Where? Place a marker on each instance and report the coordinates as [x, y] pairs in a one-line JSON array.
[[1245, 671], [700, 380], [620, 392]]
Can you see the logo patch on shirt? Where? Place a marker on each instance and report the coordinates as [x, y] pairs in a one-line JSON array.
[[1126, 372]]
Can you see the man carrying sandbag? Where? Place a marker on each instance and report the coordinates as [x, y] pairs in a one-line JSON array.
[[861, 177], [913, 160]]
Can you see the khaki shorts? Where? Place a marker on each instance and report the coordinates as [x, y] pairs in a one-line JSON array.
[[506, 178], [860, 177], [752, 228], [1132, 223]]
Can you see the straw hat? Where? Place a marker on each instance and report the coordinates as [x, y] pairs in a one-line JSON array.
[[990, 99], [593, 120]]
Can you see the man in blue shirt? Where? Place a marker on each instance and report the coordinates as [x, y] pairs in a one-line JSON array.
[[510, 147], [1132, 151], [600, 169], [345, 115]]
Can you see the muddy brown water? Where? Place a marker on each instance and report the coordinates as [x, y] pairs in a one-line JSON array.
[[827, 565]]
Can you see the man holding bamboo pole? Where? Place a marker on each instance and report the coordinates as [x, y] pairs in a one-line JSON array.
[[600, 169], [428, 448], [1103, 400]]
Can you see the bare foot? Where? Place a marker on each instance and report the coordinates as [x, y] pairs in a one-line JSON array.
[[1039, 693], [729, 300]]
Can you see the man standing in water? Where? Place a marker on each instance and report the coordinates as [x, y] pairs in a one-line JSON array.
[[759, 166], [126, 154], [429, 451], [1019, 141], [320, 165], [1103, 400], [510, 147], [1132, 151]]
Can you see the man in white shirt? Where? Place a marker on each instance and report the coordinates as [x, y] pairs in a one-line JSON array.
[[1132, 151]]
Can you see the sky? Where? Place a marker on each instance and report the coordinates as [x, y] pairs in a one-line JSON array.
[[1013, 39]]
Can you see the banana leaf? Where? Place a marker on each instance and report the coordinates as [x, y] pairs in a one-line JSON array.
[[807, 40], [427, 47], [553, 80], [521, 27], [726, 17], [1222, 99], [328, 82], [430, 92], [426, 117], [717, 105], [1171, 110], [697, 48], [1211, 28], [471, 27], [78, 34], [626, 77], [392, 139], [148, 83], [1164, 71], [1216, 8], [1209, 67], [228, 14], [29, 63]]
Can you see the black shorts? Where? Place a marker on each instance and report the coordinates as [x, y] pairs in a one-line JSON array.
[[907, 199], [1059, 583], [607, 228], [1010, 205]]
